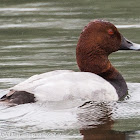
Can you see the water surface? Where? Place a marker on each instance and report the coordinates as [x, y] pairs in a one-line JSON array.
[[38, 36]]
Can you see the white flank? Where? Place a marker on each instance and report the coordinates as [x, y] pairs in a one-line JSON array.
[[63, 85]]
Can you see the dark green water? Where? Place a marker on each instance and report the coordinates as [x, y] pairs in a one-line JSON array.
[[38, 36]]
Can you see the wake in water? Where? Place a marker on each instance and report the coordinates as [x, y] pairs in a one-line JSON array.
[[68, 120]]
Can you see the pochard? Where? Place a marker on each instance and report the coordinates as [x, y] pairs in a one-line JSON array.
[[97, 80]]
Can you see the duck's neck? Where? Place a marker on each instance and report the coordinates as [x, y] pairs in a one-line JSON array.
[[100, 65], [116, 79]]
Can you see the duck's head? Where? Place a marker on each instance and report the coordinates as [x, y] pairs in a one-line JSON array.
[[97, 40], [104, 37], [100, 37]]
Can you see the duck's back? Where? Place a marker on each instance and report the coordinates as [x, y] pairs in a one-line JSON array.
[[68, 85]]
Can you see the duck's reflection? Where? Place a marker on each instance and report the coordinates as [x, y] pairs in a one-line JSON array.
[[96, 123]]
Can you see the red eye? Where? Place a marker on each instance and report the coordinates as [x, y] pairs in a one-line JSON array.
[[110, 32]]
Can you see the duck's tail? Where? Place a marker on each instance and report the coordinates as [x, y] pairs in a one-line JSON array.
[[18, 97]]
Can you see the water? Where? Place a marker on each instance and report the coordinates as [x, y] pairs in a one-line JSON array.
[[37, 36]]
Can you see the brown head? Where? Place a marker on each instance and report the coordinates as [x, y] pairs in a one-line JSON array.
[[98, 39]]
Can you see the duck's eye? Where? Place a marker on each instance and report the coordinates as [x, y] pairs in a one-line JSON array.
[[110, 32]]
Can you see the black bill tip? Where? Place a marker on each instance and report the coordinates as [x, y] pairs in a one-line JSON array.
[[128, 45]]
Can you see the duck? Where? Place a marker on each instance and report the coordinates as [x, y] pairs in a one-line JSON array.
[[97, 79]]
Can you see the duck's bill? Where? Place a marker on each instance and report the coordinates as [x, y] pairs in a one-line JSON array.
[[128, 45]]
